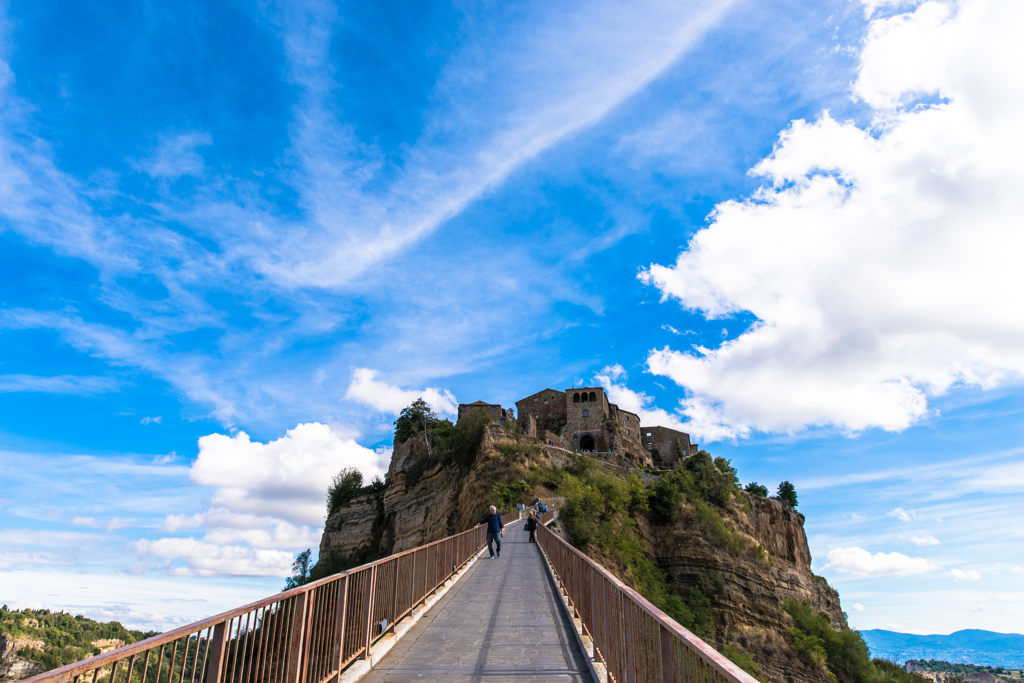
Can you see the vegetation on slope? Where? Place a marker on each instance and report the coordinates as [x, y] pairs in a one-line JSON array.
[[58, 638]]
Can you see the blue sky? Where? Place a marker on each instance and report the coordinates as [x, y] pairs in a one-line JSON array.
[[236, 240]]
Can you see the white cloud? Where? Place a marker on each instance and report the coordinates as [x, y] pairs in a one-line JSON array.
[[847, 258], [861, 562], [59, 384], [924, 538], [176, 156], [980, 608], [151, 420], [268, 504], [285, 478], [613, 377], [1017, 569], [210, 559], [857, 607], [960, 575], [366, 388], [903, 515]]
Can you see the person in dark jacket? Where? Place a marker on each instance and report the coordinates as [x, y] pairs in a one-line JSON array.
[[495, 530], [531, 523]]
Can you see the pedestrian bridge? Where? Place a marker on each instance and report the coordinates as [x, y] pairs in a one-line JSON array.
[[439, 613]]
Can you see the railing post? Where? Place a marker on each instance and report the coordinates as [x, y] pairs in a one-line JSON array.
[[297, 638], [667, 664], [370, 590], [217, 648], [339, 639]]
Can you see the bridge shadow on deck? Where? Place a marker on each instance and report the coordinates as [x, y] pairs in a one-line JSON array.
[[501, 622]]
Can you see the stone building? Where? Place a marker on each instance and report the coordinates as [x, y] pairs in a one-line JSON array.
[[547, 408], [579, 419], [494, 410], [583, 419], [667, 446]]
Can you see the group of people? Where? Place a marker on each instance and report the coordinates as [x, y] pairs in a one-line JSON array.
[[496, 527]]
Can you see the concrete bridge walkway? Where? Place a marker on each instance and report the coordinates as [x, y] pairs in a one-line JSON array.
[[501, 622]]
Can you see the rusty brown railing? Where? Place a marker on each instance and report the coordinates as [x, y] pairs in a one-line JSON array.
[[307, 634], [636, 641]]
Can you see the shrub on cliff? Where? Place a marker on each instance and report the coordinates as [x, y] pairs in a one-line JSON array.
[[755, 489], [343, 488], [845, 652]]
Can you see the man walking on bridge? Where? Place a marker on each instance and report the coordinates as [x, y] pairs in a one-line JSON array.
[[495, 530]]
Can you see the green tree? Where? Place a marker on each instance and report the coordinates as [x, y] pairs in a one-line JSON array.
[[343, 489], [787, 494], [414, 420], [300, 570], [755, 489]]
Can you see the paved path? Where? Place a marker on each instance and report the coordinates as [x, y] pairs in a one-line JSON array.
[[500, 622]]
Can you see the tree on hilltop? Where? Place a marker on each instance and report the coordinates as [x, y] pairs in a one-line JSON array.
[[787, 494], [343, 488], [755, 489]]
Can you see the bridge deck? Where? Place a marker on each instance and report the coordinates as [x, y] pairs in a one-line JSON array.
[[501, 622]]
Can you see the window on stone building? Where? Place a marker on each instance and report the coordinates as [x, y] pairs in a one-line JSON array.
[[586, 413], [593, 397], [575, 398], [650, 445], [549, 414], [648, 433], [584, 397], [627, 431], [545, 402]]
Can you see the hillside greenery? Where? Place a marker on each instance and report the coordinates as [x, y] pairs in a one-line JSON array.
[[65, 638]]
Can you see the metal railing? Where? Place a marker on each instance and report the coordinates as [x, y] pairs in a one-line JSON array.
[[636, 641], [307, 634]]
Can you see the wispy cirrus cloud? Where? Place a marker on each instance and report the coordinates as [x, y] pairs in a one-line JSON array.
[[58, 384]]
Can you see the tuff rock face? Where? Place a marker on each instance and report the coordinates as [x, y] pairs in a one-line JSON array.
[[13, 667], [440, 502], [746, 590]]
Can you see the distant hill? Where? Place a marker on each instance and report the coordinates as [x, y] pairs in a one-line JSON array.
[[34, 641], [970, 646]]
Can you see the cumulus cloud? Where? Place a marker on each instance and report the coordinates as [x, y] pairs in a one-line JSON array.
[[285, 478], [268, 502], [960, 575], [151, 420], [367, 389], [879, 261], [857, 607], [861, 562]]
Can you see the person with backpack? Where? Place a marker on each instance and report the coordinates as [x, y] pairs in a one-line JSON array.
[[531, 524]]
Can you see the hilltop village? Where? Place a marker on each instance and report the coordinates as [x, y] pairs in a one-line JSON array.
[[583, 419]]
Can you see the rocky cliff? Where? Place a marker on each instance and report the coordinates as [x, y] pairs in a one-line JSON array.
[[743, 587], [425, 499]]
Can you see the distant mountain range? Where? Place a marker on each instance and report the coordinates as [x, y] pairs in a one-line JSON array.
[[970, 646]]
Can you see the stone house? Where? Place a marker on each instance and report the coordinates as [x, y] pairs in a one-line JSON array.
[[667, 446], [494, 410]]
